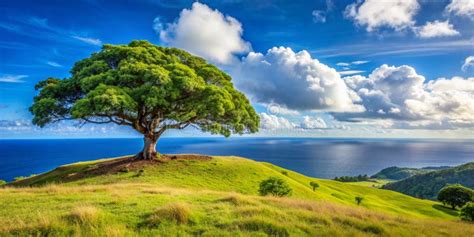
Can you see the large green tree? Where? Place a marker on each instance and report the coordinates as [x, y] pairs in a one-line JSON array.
[[149, 88]]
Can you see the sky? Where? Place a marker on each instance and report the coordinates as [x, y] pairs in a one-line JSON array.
[[392, 68]]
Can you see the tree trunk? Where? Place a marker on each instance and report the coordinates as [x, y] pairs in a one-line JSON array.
[[149, 149]]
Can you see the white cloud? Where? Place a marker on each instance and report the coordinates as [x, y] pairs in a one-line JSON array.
[[278, 109], [350, 72], [342, 64], [436, 29], [400, 94], [272, 122], [88, 40], [461, 8], [319, 16], [360, 62], [468, 63], [13, 78], [293, 80], [313, 123], [374, 14], [53, 64], [206, 33]]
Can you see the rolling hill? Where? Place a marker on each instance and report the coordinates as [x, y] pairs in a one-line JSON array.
[[428, 185], [209, 196], [398, 173]]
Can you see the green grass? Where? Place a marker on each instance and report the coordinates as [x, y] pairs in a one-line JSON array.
[[213, 197]]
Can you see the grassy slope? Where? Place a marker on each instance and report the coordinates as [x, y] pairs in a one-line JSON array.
[[207, 189]]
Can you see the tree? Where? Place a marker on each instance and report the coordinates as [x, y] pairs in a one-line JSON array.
[[358, 200], [467, 212], [455, 195], [2, 182], [274, 186], [314, 185], [149, 88]]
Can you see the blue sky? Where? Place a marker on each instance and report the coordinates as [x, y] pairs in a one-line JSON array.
[[340, 40]]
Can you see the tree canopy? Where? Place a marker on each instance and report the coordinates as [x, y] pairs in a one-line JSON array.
[[149, 88], [455, 195]]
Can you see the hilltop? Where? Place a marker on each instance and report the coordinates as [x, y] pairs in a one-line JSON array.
[[428, 185], [202, 195], [398, 173]]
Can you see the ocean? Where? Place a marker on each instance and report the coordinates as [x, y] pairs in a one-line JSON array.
[[317, 157]]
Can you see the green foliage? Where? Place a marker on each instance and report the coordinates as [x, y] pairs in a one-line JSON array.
[[467, 212], [149, 88], [357, 178], [2, 182], [358, 200], [428, 185], [314, 185], [274, 186], [284, 172], [397, 173], [455, 195]]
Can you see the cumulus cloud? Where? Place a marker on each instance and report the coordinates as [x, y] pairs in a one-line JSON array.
[[461, 8], [400, 94], [294, 80], [436, 29], [13, 78], [313, 123], [468, 63], [374, 14], [204, 32], [272, 122]]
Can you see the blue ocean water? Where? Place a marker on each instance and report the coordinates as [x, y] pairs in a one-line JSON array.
[[317, 157]]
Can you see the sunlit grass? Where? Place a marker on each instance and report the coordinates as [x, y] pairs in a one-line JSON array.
[[214, 197]]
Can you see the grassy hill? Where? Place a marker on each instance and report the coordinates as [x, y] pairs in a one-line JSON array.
[[428, 185], [397, 173], [190, 195]]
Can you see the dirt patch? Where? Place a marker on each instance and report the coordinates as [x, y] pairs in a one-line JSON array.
[[127, 164]]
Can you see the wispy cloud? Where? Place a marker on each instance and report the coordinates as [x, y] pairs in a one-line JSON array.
[[350, 72], [372, 50], [53, 64], [40, 28], [12, 78], [88, 40]]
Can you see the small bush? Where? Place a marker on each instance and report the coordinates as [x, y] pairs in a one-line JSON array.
[[284, 172], [358, 200], [314, 185], [274, 186], [2, 182], [467, 212], [175, 212], [455, 195]]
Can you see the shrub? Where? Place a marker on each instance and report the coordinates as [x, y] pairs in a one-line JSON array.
[[467, 212], [175, 212], [455, 195], [2, 182], [314, 185], [358, 200], [274, 186], [284, 172]]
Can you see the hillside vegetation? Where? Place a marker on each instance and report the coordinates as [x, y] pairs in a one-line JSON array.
[[397, 173], [189, 195], [428, 185]]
